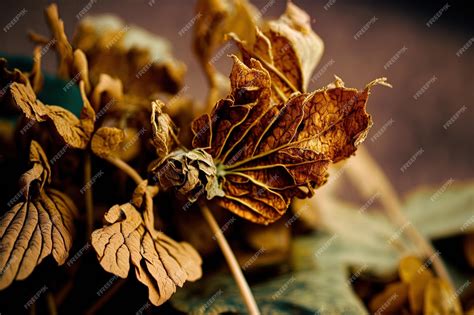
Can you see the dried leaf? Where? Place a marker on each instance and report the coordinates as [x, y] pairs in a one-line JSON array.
[[142, 61], [160, 263], [105, 90], [164, 130], [267, 154], [288, 48], [40, 225], [391, 300], [106, 140], [36, 76], [191, 173], [73, 131], [440, 298], [216, 19], [319, 288], [62, 46]]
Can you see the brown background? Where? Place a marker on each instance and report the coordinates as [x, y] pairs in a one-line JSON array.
[[431, 51]]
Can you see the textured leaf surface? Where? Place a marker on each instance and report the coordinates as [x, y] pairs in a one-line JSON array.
[[159, 262], [73, 131], [266, 154], [164, 130], [288, 48], [39, 225]]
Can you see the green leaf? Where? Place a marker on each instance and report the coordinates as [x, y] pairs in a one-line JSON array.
[[442, 211], [314, 286]]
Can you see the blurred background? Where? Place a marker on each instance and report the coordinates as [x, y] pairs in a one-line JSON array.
[[419, 51]]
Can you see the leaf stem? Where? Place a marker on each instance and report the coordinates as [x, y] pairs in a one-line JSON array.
[[392, 206], [130, 171], [89, 201], [51, 304], [244, 288]]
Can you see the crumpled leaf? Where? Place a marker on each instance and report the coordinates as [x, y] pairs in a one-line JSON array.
[[62, 46], [160, 263], [267, 154], [141, 60], [106, 90], [216, 19], [191, 173], [164, 130], [311, 287], [39, 225], [73, 131], [288, 48], [106, 140]]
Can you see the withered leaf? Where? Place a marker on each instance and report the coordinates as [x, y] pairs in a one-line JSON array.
[[288, 48], [417, 276], [40, 225], [216, 19], [141, 60], [62, 46], [164, 130], [160, 263], [266, 154], [106, 140], [73, 131], [440, 298], [105, 90], [391, 300], [191, 173]]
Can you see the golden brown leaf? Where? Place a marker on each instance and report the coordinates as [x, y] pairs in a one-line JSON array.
[[62, 46], [215, 19], [106, 140], [142, 61], [164, 130], [160, 263], [417, 276], [266, 154], [106, 90], [441, 299], [73, 131], [391, 300], [288, 48], [40, 225]]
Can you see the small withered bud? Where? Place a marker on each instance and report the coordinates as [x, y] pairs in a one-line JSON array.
[[191, 173]]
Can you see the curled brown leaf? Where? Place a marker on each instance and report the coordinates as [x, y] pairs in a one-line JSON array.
[[160, 263], [267, 154], [106, 140]]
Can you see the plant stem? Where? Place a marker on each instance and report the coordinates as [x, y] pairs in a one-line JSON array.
[[51, 304], [106, 297], [88, 194], [392, 206], [126, 168], [244, 288]]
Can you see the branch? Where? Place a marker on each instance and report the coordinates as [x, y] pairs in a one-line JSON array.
[[130, 171], [244, 288]]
